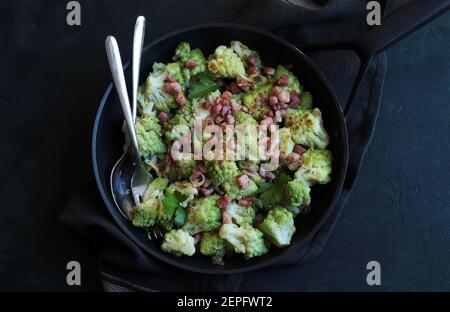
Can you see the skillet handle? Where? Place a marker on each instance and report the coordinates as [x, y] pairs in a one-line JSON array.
[[404, 21]]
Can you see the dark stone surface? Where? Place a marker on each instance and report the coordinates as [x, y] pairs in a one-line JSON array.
[[53, 77]]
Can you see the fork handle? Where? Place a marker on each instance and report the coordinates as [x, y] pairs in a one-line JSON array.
[[115, 63], [138, 41]]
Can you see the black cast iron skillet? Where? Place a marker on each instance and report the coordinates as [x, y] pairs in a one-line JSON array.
[[108, 139]]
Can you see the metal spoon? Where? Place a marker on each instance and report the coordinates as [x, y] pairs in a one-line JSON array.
[[123, 170], [141, 177]]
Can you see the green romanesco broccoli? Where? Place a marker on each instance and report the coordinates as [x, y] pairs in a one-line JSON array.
[[225, 63], [178, 242], [180, 123], [294, 84], [149, 212], [278, 226], [285, 144], [203, 215], [244, 53], [181, 169], [221, 172], [148, 133], [307, 128], [256, 100], [297, 195], [306, 101], [212, 245], [184, 54], [185, 188], [245, 239], [235, 191], [152, 93], [241, 215], [316, 167]]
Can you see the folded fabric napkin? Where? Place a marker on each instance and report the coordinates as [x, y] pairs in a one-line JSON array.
[[126, 267]]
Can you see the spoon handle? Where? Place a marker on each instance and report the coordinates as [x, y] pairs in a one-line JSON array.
[[138, 42], [115, 63]]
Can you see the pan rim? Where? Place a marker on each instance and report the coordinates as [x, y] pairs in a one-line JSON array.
[[224, 270]]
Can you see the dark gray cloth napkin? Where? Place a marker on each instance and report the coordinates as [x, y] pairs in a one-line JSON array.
[[126, 267]]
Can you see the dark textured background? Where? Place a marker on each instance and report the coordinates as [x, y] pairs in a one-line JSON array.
[[53, 76]]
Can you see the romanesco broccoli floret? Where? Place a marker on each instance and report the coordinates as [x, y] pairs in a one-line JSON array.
[[186, 188], [241, 215], [235, 191], [149, 212], [181, 169], [148, 133], [316, 167], [183, 54], [203, 215], [198, 111], [152, 93], [221, 172], [180, 123], [297, 195], [285, 144], [178, 242], [256, 100], [244, 52], [278, 226], [244, 239], [307, 128], [306, 101], [225, 63], [243, 118], [146, 214], [294, 84], [212, 245]]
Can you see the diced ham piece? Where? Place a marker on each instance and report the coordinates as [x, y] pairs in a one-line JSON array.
[[299, 149], [234, 88], [268, 175], [180, 99], [229, 119], [215, 109], [269, 71], [197, 238], [252, 70], [163, 117], [226, 95], [243, 181], [224, 110], [284, 80], [223, 201], [190, 64], [252, 61], [283, 97], [172, 87], [294, 99], [273, 100], [205, 105], [170, 79], [294, 161], [244, 202], [234, 105]]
